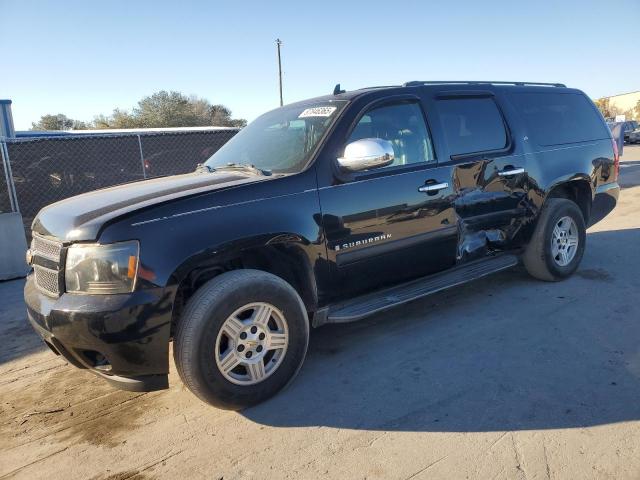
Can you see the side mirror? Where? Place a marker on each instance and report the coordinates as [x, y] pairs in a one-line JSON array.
[[366, 154]]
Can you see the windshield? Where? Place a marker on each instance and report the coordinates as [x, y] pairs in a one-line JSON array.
[[280, 141]]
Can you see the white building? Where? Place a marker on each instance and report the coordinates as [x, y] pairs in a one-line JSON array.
[[625, 102]]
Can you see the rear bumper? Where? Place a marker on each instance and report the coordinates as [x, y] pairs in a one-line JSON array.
[[604, 201], [122, 338]]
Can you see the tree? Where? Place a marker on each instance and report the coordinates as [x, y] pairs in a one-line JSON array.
[[165, 109], [220, 116], [606, 108], [118, 119], [159, 110], [58, 122], [630, 114], [170, 109]]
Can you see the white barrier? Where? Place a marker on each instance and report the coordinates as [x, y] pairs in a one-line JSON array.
[[13, 246]]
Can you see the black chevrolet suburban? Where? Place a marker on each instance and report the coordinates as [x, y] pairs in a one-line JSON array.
[[323, 211]]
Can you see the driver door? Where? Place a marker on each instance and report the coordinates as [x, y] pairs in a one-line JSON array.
[[391, 223]]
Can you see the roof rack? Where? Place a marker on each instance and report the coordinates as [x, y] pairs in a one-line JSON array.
[[416, 83], [372, 87]]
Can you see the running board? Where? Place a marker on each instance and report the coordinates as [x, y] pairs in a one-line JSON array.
[[375, 302]]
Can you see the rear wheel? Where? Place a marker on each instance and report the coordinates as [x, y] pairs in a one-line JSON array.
[[242, 338], [558, 242]]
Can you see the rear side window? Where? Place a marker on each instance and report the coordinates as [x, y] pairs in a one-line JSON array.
[[559, 118], [472, 125]]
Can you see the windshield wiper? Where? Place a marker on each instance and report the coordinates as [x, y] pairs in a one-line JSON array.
[[244, 167]]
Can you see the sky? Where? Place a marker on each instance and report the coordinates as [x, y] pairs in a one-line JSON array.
[[84, 58]]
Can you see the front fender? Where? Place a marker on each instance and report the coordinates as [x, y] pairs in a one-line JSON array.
[[235, 249], [181, 235]]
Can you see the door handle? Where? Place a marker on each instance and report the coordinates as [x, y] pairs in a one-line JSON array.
[[433, 187], [511, 172]]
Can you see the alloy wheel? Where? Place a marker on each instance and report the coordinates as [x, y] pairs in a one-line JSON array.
[[564, 241], [251, 343]]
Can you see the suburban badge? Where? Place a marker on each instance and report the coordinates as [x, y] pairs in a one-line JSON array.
[[359, 243]]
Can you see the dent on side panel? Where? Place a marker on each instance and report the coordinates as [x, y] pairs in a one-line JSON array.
[[490, 209], [556, 166]]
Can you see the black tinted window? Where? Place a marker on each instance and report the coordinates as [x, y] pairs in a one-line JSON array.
[[403, 125], [559, 118], [472, 125]]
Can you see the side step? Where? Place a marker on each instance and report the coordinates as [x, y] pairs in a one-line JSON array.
[[375, 302]]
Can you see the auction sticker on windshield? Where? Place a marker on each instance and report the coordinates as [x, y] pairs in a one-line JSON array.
[[317, 112]]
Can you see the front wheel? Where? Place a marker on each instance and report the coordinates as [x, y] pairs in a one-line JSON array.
[[558, 242], [242, 338]]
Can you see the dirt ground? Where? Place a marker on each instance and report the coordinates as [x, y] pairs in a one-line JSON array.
[[503, 378]]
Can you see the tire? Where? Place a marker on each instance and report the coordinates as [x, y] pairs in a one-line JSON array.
[[203, 341], [539, 259]]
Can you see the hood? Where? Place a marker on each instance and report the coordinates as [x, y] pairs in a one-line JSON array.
[[81, 217]]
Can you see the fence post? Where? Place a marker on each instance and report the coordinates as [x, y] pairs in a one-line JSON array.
[[144, 170], [11, 190]]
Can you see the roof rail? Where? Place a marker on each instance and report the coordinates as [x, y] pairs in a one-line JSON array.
[[416, 83], [379, 86]]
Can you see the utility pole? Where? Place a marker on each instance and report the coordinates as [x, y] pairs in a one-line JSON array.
[[278, 43]]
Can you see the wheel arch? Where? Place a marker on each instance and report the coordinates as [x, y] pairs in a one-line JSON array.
[[577, 189], [283, 254]]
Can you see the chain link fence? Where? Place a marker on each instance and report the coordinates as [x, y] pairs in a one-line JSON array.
[[43, 170], [6, 204]]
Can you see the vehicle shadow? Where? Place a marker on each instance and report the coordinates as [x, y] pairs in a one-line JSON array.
[[629, 174], [504, 353]]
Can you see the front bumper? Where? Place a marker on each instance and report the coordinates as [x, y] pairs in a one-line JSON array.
[[123, 338]]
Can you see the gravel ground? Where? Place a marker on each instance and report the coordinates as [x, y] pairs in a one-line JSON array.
[[504, 378]]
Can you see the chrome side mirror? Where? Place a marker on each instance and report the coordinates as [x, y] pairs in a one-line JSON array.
[[366, 154]]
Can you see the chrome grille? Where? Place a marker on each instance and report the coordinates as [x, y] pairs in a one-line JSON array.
[[46, 248], [48, 280]]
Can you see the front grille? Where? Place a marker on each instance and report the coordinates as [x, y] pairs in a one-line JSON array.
[[48, 280], [46, 248]]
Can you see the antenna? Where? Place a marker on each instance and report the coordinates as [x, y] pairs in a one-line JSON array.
[[278, 43], [336, 89]]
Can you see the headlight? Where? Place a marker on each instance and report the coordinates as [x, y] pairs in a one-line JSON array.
[[102, 269]]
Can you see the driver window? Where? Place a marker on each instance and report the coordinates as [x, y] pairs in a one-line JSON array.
[[403, 125]]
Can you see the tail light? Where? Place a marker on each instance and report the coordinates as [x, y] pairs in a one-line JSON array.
[[616, 159]]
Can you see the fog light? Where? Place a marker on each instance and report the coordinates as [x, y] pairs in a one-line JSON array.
[[97, 360]]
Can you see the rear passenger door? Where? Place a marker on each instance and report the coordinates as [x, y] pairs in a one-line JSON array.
[[489, 175]]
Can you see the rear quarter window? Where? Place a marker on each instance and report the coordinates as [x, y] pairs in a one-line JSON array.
[[559, 118]]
